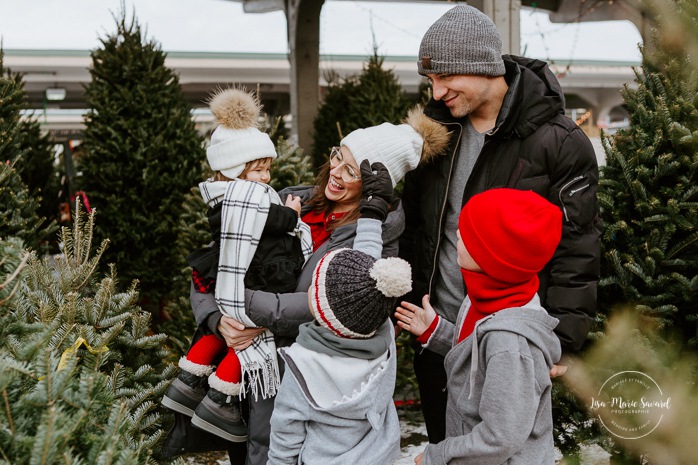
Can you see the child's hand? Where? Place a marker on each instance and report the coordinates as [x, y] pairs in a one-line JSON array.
[[415, 319], [293, 202]]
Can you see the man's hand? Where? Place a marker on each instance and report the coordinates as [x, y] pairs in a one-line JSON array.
[[558, 370], [236, 335], [415, 319]]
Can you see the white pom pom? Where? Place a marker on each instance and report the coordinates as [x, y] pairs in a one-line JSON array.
[[393, 276]]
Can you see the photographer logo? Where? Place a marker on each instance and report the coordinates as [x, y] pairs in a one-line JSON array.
[[630, 405]]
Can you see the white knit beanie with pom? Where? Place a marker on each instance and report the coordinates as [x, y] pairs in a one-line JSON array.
[[400, 147], [236, 141]]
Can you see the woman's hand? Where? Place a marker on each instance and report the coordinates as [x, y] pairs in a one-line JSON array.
[[293, 202], [376, 190], [415, 319], [236, 335]]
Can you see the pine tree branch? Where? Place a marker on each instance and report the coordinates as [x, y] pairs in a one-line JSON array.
[[9, 415], [12, 277]]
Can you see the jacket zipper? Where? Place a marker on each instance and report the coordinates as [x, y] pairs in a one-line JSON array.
[[572, 192], [443, 206]]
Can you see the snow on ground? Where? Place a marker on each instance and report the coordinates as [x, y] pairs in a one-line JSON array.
[[413, 441]]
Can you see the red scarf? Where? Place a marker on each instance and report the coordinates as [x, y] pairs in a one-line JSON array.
[[488, 296], [318, 226]]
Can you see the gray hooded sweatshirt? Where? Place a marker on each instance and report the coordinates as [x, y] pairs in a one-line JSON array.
[[499, 407], [335, 405]]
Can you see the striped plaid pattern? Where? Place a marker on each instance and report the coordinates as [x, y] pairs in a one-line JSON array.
[[202, 284], [244, 214]]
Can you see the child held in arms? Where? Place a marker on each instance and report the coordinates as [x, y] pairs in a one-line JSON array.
[[259, 244]]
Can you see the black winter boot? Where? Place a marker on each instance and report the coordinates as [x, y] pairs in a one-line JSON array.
[[187, 391], [219, 413]]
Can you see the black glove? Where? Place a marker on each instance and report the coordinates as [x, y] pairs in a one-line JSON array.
[[376, 190]]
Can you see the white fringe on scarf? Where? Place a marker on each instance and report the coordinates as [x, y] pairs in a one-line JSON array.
[[245, 209]]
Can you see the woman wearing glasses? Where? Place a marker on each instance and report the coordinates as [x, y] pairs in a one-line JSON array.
[[352, 184]]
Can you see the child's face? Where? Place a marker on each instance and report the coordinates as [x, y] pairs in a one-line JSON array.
[[259, 171], [465, 260]]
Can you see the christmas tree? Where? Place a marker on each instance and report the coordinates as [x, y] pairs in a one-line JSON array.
[[142, 155], [291, 167], [39, 172], [648, 194], [80, 371], [20, 216], [649, 206], [30, 147], [371, 98]]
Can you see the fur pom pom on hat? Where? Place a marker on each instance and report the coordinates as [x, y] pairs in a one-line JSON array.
[[399, 147], [237, 140], [352, 293]]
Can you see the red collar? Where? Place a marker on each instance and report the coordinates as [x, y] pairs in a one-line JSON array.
[[318, 226], [313, 217]]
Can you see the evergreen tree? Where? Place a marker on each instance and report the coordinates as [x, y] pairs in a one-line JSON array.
[[31, 148], [193, 232], [39, 172], [291, 167], [648, 194], [13, 259], [373, 97], [142, 154], [20, 216], [80, 372]]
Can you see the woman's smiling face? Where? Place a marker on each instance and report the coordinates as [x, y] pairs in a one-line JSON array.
[[345, 194]]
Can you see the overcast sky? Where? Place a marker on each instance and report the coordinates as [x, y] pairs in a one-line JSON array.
[[346, 28]]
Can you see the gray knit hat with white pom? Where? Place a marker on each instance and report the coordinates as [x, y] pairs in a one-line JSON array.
[[352, 293], [463, 41]]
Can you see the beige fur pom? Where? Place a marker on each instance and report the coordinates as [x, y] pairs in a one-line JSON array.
[[235, 108], [435, 135]]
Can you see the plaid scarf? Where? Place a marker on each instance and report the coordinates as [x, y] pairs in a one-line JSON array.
[[244, 214]]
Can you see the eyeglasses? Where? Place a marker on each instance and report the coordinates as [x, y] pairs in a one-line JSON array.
[[336, 159]]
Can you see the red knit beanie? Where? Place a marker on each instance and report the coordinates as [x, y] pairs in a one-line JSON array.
[[511, 234]]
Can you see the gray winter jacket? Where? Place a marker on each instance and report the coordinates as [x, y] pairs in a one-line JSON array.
[[336, 410], [499, 407], [284, 313]]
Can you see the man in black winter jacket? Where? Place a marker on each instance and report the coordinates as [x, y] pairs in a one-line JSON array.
[[508, 129]]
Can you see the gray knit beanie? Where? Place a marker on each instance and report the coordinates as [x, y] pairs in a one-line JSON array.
[[352, 293], [463, 41]]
